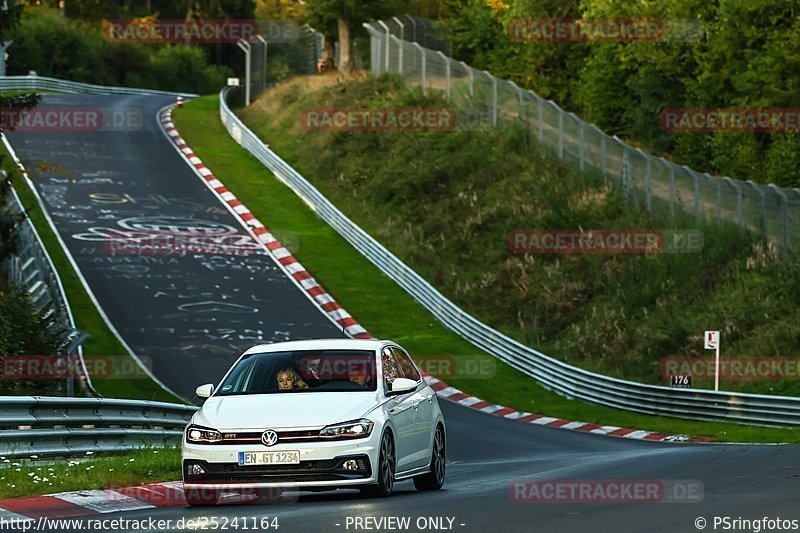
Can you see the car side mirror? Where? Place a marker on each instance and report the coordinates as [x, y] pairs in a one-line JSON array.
[[402, 385], [204, 391]]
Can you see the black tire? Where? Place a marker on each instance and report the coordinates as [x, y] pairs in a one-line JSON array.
[[201, 497], [434, 480], [386, 470]]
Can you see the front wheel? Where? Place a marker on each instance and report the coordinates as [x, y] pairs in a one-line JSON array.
[[434, 479], [386, 469]]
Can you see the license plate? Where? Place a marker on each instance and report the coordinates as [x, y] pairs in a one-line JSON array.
[[289, 457]]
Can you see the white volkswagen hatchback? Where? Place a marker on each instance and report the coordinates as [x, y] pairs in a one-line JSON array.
[[315, 415]]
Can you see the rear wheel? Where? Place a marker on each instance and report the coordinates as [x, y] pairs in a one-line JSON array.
[[434, 479], [386, 469]]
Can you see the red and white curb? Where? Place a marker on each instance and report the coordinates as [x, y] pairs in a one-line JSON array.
[[456, 396], [328, 305], [96, 502], [288, 263]]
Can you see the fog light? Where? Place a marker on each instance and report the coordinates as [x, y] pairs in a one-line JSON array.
[[194, 470], [350, 464]]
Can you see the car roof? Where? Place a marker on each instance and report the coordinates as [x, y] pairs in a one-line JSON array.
[[319, 344]]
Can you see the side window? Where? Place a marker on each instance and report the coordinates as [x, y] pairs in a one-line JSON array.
[[390, 368], [405, 365]]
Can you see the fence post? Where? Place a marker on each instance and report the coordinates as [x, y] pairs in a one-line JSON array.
[[696, 195], [494, 97], [245, 47], [603, 154], [424, 67], [263, 62], [413, 27], [471, 78], [386, 56], [763, 217], [581, 125], [738, 190], [446, 73], [719, 201], [402, 38], [560, 132], [647, 183], [540, 113], [785, 200], [672, 192]]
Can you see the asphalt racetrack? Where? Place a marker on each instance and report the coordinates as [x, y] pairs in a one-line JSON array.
[[189, 317]]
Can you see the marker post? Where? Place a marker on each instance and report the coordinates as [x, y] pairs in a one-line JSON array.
[[712, 343]]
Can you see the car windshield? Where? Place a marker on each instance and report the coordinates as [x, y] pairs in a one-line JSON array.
[[302, 371]]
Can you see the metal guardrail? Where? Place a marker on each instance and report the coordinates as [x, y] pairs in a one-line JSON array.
[[49, 426], [551, 373], [31, 269], [43, 83]]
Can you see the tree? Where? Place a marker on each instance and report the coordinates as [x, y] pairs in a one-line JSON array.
[[344, 18]]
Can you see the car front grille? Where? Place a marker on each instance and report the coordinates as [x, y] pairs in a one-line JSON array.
[[322, 470]]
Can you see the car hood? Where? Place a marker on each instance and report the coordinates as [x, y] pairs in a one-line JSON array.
[[304, 409]]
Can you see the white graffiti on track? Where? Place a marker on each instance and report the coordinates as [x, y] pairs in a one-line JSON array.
[[216, 307]]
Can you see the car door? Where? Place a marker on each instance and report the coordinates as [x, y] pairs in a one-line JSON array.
[[401, 411], [422, 404]]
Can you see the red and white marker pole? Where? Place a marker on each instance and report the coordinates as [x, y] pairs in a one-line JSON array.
[[180, 101], [712, 343]]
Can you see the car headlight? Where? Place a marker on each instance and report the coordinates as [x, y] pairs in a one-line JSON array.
[[201, 435], [355, 429]]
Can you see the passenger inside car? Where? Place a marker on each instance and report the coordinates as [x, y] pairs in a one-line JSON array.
[[289, 379]]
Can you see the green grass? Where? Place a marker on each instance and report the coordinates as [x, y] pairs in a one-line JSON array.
[[378, 303], [102, 342], [32, 478]]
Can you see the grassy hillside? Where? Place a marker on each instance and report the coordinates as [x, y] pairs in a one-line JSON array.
[[445, 202]]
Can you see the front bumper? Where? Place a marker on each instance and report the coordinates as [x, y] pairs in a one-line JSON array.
[[320, 465]]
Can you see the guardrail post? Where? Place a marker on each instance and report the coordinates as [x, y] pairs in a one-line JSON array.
[[697, 211], [719, 201], [581, 125]]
